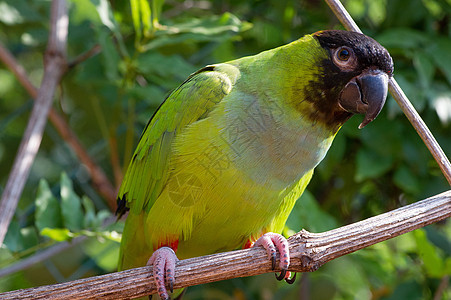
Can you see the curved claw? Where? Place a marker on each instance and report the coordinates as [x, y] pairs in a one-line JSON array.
[[273, 260], [282, 274], [291, 280], [273, 242], [170, 280]]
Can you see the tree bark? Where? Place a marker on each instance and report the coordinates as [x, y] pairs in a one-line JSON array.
[[308, 251]]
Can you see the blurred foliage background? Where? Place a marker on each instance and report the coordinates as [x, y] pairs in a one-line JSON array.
[[149, 48]]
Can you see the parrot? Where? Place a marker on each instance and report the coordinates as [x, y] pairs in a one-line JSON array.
[[225, 157]]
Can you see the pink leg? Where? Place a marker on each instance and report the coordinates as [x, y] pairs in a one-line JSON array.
[[273, 242], [163, 261]]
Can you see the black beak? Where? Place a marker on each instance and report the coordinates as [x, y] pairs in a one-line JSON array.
[[365, 94]]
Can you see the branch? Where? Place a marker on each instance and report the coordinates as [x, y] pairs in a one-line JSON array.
[[84, 56], [8, 59], [309, 251], [402, 100], [40, 256], [49, 252], [55, 66], [100, 181]]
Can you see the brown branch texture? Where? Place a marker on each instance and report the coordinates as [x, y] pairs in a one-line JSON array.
[[309, 251]]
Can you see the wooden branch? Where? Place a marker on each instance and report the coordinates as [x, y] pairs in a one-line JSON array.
[[55, 66], [402, 100], [100, 181], [8, 59], [309, 251]]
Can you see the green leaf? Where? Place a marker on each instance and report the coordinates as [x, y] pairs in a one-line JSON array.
[[141, 15], [440, 52], [18, 239], [413, 91], [351, 279], [104, 252], [48, 212], [84, 10], [29, 237], [439, 238], [135, 9], [156, 11], [57, 234], [407, 290], [5, 255], [448, 265], [9, 14], [12, 239], [432, 262], [156, 65], [371, 165], [106, 15], [309, 215], [212, 28], [101, 217], [18, 12], [89, 220], [70, 205], [109, 55], [145, 13], [382, 136], [334, 157], [404, 38], [406, 181], [425, 68]]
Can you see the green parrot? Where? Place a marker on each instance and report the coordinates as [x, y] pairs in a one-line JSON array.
[[223, 160]]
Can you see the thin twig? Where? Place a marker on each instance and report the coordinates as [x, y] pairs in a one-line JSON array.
[[444, 282], [40, 256], [84, 56], [402, 100], [55, 66], [99, 179], [8, 59], [308, 252], [49, 252]]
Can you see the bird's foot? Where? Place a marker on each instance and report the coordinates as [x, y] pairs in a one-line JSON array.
[[163, 261], [273, 242]]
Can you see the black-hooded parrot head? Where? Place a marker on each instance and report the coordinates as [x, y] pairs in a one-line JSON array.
[[354, 77]]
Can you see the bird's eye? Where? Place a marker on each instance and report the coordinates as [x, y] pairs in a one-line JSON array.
[[344, 58], [343, 54]]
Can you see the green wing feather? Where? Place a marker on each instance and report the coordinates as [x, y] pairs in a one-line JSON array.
[[191, 101], [149, 169]]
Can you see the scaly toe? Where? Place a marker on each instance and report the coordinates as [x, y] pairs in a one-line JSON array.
[[163, 261]]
